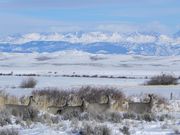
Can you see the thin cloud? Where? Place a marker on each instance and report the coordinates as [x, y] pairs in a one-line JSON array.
[[130, 28], [51, 4]]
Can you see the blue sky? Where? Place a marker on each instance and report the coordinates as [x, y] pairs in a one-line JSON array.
[[23, 16]]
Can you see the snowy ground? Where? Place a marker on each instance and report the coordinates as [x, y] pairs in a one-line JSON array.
[[136, 127], [129, 86], [68, 63]]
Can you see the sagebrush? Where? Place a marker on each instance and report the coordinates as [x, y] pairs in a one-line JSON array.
[[163, 79], [9, 131], [28, 83]]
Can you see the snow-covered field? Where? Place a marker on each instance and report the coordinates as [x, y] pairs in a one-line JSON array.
[[135, 128], [168, 126], [74, 62], [51, 67], [128, 86]]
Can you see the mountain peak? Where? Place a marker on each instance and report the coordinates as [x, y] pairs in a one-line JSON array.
[[83, 37], [140, 43]]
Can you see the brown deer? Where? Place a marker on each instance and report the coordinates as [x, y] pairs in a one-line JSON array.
[[68, 109], [19, 110], [99, 107], [140, 107]]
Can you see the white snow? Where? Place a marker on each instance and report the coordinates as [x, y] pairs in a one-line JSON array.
[[69, 62], [80, 63], [92, 37], [136, 127], [141, 39]]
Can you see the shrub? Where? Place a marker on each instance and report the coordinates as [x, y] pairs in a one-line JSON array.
[[163, 80], [26, 114], [84, 116], [43, 58], [129, 116], [115, 117], [71, 115], [94, 94], [52, 95], [4, 118], [164, 117], [147, 117], [97, 57], [28, 83], [9, 131], [94, 130], [47, 118], [125, 130], [176, 131]]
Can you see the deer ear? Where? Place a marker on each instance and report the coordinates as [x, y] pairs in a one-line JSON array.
[[150, 95]]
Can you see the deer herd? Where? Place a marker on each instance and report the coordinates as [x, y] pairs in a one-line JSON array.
[[135, 107]]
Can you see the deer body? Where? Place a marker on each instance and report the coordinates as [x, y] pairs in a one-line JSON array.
[[139, 107], [68, 109], [19, 110], [99, 107], [54, 109]]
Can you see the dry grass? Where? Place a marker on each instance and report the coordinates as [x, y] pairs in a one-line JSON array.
[[3, 96], [7, 99]]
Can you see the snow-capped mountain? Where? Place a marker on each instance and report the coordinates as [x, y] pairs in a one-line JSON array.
[[94, 42]]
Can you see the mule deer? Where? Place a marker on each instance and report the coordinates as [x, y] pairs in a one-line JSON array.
[[54, 109], [19, 110], [99, 107], [69, 109], [140, 107]]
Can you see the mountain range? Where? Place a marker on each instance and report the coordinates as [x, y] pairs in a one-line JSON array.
[[147, 43]]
